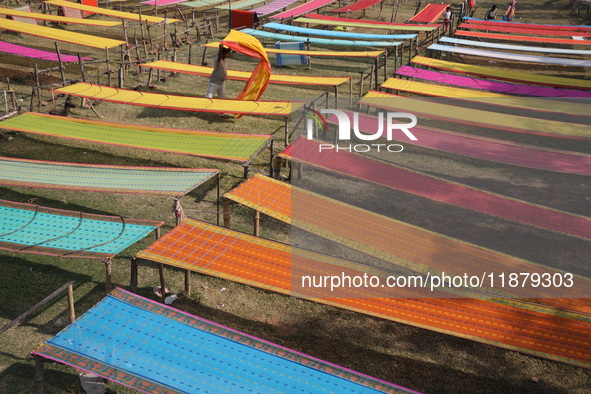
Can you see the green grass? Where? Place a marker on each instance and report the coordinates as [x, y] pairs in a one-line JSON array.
[[415, 358]]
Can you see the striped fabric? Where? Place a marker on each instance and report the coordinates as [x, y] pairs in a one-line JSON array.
[[482, 96], [156, 349], [363, 24], [534, 26], [436, 110], [243, 258], [53, 18], [320, 41], [103, 178], [20, 50], [508, 28], [60, 35], [198, 3], [430, 14], [239, 5], [290, 60], [337, 34], [183, 103], [161, 2], [302, 9], [17, 11], [105, 11], [30, 228], [512, 56], [273, 6], [244, 75], [486, 84], [518, 48], [364, 168], [357, 6], [229, 146], [513, 37], [504, 75], [394, 26], [371, 54]]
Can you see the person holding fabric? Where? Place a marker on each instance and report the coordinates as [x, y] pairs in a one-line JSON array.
[[491, 14], [217, 80], [510, 14]]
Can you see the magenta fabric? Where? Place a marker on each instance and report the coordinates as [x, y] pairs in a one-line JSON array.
[[389, 175], [493, 86], [273, 6], [307, 7], [20, 50], [336, 18], [493, 150], [162, 2], [357, 6]]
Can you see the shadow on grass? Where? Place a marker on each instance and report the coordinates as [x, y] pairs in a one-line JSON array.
[[25, 283], [21, 375], [410, 366], [11, 195]]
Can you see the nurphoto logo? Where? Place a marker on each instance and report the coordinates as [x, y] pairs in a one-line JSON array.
[[344, 130]]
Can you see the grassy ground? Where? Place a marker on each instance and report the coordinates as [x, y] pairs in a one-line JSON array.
[[415, 358]]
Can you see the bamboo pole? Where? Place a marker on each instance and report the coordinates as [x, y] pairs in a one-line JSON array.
[[271, 150], [61, 64], [257, 223], [162, 286], [108, 66], [72, 312], [133, 281], [38, 93], [188, 282], [34, 308], [108, 276], [219, 198]]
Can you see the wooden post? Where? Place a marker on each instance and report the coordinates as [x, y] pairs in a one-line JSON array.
[[190, 48], [108, 66], [286, 131], [38, 89], [34, 308], [158, 70], [61, 64], [271, 150], [226, 203], [33, 94], [71, 303], [204, 52], [125, 31], [81, 63], [219, 198], [377, 66], [39, 378], [122, 68], [133, 275], [141, 24], [108, 277], [162, 286], [395, 14], [188, 282], [257, 223], [277, 168]]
